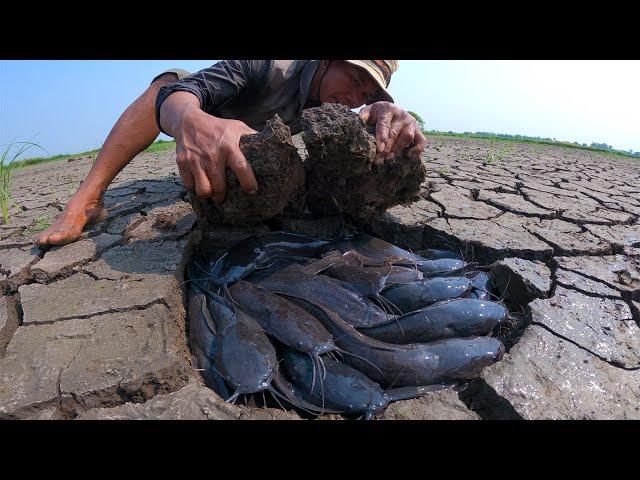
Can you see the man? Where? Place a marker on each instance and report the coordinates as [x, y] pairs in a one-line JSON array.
[[209, 111]]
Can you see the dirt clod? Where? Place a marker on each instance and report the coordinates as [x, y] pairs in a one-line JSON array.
[[341, 175], [278, 170]]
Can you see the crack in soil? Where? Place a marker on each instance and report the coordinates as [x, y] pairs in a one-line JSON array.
[[10, 285], [635, 312], [587, 292], [45, 278], [481, 398], [626, 295], [160, 301], [610, 362], [559, 251]]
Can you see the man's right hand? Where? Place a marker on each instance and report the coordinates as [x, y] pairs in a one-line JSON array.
[[205, 147]]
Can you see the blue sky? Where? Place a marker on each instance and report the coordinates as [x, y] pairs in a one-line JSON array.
[[70, 106]]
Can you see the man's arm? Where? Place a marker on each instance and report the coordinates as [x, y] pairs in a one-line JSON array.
[[205, 144], [216, 85]]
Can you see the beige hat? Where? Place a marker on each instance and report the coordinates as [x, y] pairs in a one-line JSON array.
[[380, 71]]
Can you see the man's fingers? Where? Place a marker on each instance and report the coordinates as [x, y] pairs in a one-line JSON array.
[[404, 139], [397, 125], [187, 177], [238, 163], [418, 148], [217, 177], [365, 114], [202, 183], [382, 129]]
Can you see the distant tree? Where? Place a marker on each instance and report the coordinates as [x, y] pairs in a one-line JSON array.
[[418, 119], [601, 146]]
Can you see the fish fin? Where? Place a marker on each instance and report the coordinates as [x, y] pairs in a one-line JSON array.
[[227, 295], [234, 397], [406, 393], [322, 366], [360, 358], [313, 373], [298, 403]]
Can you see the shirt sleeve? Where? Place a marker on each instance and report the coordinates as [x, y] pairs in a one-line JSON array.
[[216, 85]]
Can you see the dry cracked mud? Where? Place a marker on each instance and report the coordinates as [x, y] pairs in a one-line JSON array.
[[97, 329]]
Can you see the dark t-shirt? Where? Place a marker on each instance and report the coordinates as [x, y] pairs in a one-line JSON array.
[[251, 91]]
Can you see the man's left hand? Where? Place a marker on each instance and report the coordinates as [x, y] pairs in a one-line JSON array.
[[395, 130]]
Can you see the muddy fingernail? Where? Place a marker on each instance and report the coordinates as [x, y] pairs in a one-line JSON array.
[[253, 191], [381, 147]]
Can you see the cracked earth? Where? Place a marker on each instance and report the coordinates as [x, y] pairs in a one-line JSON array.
[[97, 329]]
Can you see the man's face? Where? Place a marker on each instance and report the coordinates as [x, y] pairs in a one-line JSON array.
[[347, 84]]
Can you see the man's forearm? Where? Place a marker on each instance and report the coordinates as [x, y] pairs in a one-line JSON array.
[[173, 110]]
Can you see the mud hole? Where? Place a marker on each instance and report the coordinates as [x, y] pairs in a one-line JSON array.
[[336, 189], [215, 242]]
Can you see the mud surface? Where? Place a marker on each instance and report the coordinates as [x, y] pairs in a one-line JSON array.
[[97, 329]]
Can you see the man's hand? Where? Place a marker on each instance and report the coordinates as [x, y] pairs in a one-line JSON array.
[[205, 147], [395, 130]]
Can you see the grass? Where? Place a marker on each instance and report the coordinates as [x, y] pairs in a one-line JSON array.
[[157, 146], [493, 155], [41, 224], [8, 162], [161, 145], [38, 160], [437, 135]]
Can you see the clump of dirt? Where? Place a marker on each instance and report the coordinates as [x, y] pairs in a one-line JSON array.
[[341, 175], [165, 222], [280, 174]]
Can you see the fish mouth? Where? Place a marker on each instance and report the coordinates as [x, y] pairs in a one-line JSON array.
[[326, 348]]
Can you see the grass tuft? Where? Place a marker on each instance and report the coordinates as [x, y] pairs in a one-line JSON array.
[[157, 146], [8, 162], [40, 224]]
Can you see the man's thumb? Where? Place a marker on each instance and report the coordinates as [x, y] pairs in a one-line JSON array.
[[365, 114]]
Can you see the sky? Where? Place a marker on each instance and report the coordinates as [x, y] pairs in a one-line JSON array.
[[70, 106]]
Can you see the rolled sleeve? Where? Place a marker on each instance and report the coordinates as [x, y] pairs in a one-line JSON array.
[[218, 84]]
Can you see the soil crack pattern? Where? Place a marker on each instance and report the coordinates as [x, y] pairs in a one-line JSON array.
[[107, 311], [563, 223], [615, 364]]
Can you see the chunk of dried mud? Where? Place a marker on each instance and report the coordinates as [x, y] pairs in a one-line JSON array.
[[279, 172], [341, 174]]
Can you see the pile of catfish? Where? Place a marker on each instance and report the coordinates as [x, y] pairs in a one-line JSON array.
[[344, 326]]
